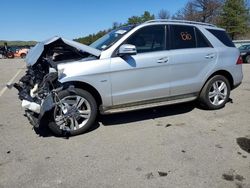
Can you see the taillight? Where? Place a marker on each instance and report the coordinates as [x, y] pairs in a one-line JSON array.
[[239, 61]]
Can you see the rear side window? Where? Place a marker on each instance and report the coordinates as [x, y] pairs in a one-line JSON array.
[[222, 36], [183, 37], [188, 37]]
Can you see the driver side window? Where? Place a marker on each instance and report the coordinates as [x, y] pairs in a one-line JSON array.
[[148, 39]]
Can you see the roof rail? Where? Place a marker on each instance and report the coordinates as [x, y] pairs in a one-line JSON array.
[[180, 21]]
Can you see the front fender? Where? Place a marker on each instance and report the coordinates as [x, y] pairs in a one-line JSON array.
[[95, 73], [103, 87]]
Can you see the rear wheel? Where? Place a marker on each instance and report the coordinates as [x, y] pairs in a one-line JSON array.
[[215, 93], [75, 113]]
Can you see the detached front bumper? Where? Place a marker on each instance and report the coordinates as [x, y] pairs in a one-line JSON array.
[[34, 111]]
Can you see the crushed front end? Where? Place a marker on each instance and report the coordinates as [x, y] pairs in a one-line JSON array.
[[38, 89]]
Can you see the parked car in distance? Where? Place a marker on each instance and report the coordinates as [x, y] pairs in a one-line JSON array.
[[245, 53], [22, 52], [156, 63], [6, 54]]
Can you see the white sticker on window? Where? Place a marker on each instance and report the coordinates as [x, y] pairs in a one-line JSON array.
[[121, 32]]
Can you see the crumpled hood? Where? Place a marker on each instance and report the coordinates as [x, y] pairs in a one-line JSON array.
[[35, 52]]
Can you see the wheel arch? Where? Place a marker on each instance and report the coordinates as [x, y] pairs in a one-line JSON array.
[[224, 73], [87, 87]]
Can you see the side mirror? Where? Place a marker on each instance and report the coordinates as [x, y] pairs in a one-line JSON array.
[[127, 49]]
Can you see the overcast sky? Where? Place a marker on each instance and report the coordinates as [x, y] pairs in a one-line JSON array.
[[42, 19]]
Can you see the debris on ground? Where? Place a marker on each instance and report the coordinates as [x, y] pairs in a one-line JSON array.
[[162, 174], [218, 146], [149, 175], [231, 176], [138, 169], [228, 177], [168, 125], [244, 143], [239, 177], [238, 185]]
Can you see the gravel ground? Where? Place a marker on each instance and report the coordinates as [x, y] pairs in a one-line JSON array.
[[173, 146]]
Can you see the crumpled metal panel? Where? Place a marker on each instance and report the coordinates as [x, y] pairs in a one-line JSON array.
[[35, 52]]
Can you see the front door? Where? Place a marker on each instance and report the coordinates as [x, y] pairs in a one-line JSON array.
[[143, 76]]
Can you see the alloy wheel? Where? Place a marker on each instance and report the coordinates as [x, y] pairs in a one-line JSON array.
[[218, 92], [72, 112]]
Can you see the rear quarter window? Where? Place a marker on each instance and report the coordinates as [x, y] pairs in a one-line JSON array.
[[222, 36], [201, 40]]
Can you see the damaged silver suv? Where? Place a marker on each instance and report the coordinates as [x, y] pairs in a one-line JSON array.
[[156, 63]]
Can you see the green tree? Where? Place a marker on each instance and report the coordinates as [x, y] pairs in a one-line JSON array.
[[131, 21], [147, 16], [134, 20], [235, 17], [92, 37], [140, 19]]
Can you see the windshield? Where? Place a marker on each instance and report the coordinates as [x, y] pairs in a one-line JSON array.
[[109, 39]]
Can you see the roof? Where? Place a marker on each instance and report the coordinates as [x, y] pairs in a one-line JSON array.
[[180, 21]]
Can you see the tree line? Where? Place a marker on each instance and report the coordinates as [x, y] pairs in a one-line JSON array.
[[18, 43], [232, 15]]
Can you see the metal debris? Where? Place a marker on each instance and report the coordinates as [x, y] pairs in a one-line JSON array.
[[162, 174]]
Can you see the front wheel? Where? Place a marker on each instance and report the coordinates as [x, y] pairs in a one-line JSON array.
[[215, 93], [23, 55], [74, 113]]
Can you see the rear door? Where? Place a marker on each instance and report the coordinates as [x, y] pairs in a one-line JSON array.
[[192, 56]]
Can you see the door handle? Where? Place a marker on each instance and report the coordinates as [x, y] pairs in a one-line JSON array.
[[210, 56], [162, 60]]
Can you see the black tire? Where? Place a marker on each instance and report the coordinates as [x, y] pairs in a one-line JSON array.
[[93, 106], [204, 98], [247, 59], [23, 55], [10, 55]]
